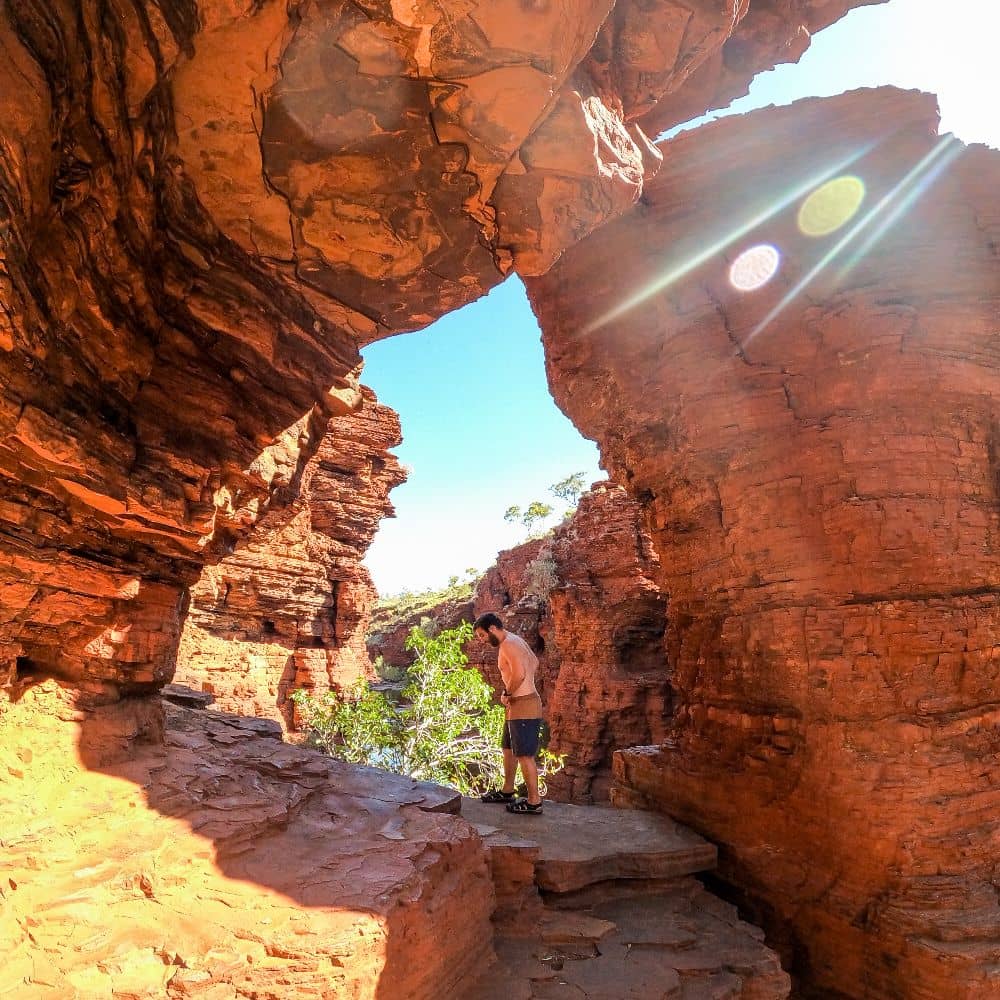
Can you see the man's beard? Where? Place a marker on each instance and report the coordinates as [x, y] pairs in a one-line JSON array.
[[494, 641]]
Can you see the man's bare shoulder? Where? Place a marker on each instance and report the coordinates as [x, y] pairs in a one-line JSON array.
[[520, 646]]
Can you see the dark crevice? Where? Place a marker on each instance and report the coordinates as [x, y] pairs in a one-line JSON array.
[[24, 668], [922, 596]]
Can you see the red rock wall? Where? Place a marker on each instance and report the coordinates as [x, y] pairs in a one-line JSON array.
[[289, 608], [583, 599], [613, 686], [821, 487], [148, 367], [707, 76], [194, 244]]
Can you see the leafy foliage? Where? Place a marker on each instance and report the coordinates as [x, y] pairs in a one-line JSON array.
[[568, 490], [387, 671], [445, 728], [535, 513]]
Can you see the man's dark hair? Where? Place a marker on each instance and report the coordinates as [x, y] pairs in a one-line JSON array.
[[487, 621]]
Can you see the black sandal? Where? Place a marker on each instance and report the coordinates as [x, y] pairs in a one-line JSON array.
[[497, 796], [524, 807]]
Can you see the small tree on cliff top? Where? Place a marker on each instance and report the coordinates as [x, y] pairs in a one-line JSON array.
[[568, 490]]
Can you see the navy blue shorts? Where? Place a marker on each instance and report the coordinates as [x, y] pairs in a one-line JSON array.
[[522, 736]]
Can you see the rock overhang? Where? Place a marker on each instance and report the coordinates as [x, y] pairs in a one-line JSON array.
[[397, 161], [213, 204]]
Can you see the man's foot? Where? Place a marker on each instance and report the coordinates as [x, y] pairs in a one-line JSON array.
[[497, 796], [524, 807]]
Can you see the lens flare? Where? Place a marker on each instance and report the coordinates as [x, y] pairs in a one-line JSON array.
[[924, 175], [889, 208], [754, 268], [678, 268], [831, 206]]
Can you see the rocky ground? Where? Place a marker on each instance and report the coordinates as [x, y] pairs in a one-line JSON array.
[[600, 904], [223, 863]]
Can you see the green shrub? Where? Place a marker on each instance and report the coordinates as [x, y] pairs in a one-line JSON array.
[[445, 729], [388, 671]]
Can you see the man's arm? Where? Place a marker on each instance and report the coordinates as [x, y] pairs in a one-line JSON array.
[[507, 665]]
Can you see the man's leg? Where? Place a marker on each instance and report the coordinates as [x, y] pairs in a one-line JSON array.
[[510, 770], [529, 770]]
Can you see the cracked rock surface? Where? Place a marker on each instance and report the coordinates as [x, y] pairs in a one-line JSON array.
[[598, 904]]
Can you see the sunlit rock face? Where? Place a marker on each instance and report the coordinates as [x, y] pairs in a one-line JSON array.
[[207, 204], [149, 367], [218, 861], [399, 159], [815, 462], [704, 74], [289, 608]]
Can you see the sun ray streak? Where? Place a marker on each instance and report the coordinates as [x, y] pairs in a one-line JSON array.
[[911, 196], [883, 204], [678, 272]]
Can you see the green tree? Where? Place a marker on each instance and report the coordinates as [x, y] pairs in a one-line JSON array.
[[535, 514], [445, 728], [512, 514], [569, 490]]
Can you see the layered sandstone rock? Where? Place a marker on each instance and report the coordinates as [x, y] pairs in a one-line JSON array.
[[584, 599], [289, 608], [150, 367], [815, 463], [705, 75], [221, 862], [207, 204], [622, 916], [153, 850], [613, 685]]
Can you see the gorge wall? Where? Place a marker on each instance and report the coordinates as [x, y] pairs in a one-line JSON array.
[[206, 206], [289, 608], [816, 464], [150, 365]]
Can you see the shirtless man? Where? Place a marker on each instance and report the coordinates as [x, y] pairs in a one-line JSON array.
[[523, 724]]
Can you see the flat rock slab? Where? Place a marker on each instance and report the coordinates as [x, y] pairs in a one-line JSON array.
[[678, 943], [580, 845]]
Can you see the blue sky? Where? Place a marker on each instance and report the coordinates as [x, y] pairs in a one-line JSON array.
[[481, 431]]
